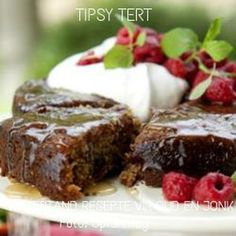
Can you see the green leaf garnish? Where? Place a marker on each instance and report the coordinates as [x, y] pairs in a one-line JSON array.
[[213, 31], [141, 39], [129, 25], [118, 56], [200, 89], [203, 68], [218, 49], [178, 41]]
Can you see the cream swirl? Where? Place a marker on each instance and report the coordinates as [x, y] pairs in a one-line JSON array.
[[141, 87]]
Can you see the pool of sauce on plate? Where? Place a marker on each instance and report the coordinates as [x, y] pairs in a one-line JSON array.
[[100, 189], [15, 189], [132, 190]]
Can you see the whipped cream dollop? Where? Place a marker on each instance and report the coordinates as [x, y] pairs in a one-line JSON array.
[[141, 87]]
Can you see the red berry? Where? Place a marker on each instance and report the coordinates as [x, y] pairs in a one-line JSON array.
[[230, 67], [191, 71], [149, 31], [152, 37], [190, 66], [88, 59], [185, 55], [221, 90], [215, 189], [176, 67], [178, 187], [153, 40], [209, 62], [148, 53], [201, 76], [124, 38]]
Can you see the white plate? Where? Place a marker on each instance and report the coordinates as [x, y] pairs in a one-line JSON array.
[[143, 209], [123, 209]]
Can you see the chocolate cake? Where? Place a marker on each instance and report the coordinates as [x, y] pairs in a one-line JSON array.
[[193, 138], [61, 142], [38, 96]]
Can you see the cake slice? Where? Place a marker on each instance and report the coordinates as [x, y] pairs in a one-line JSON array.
[[62, 147], [193, 138], [37, 96]]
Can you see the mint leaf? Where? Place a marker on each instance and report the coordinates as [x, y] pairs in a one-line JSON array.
[[213, 31], [118, 56], [178, 41], [200, 89], [129, 25], [218, 49], [203, 68], [141, 39]]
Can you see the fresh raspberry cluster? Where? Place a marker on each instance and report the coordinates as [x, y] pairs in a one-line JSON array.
[[150, 51], [222, 89], [214, 189]]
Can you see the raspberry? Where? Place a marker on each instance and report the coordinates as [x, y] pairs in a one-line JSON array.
[[214, 188], [201, 76], [151, 51], [148, 53], [149, 31], [209, 62], [221, 90], [152, 37], [178, 187], [230, 67], [185, 55], [88, 59], [123, 36], [191, 71], [153, 40], [190, 66], [176, 67]]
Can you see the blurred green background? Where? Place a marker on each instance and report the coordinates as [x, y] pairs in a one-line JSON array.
[[44, 32]]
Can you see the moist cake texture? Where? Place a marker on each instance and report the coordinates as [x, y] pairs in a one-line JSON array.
[[61, 142], [37, 96], [193, 138]]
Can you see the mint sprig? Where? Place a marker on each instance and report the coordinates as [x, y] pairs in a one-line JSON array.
[[181, 40], [213, 31], [202, 87], [178, 41], [218, 49], [118, 56], [121, 56]]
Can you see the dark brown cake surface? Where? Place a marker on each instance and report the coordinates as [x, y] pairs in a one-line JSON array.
[[192, 138], [37, 96], [62, 149]]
